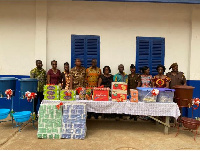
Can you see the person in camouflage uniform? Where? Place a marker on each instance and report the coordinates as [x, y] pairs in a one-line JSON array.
[[40, 74]]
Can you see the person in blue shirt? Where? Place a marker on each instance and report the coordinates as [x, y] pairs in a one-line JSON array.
[[121, 76]]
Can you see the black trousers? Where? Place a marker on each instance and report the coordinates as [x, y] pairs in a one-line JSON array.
[[39, 97]]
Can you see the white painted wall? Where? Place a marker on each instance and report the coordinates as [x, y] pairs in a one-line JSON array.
[[17, 37], [117, 23]]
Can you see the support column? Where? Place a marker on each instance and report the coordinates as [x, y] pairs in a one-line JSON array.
[[41, 31], [195, 44]]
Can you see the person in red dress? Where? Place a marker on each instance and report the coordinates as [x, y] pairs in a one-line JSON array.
[[161, 80], [54, 74]]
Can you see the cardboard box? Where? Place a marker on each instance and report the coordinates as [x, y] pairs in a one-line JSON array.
[[51, 92], [134, 95], [68, 95], [51, 87], [49, 122], [119, 86], [119, 97], [51, 97], [101, 94]]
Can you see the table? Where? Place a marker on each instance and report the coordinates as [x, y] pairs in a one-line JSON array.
[[140, 108]]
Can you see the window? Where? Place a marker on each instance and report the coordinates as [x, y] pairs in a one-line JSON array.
[[86, 48], [150, 51]]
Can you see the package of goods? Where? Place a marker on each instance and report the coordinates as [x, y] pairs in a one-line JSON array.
[[101, 94], [51, 92], [49, 122], [146, 95], [88, 95], [119, 86], [119, 97], [134, 95], [68, 95], [51, 87], [165, 95], [81, 91], [51, 97], [74, 121]]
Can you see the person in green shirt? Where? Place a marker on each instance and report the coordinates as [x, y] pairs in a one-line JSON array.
[[121, 76], [40, 74]]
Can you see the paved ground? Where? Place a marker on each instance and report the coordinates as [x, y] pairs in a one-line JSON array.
[[102, 134]]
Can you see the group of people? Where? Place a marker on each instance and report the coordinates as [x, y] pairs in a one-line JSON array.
[[92, 77]]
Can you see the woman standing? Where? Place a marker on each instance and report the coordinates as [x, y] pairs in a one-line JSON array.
[[53, 75], [161, 80], [146, 78], [106, 78], [66, 79]]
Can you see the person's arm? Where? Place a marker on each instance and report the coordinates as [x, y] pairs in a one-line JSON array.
[[167, 81], [71, 81], [139, 81], [184, 80], [48, 77], [153, 82], [99, 82], [32, 74], [167, 84]]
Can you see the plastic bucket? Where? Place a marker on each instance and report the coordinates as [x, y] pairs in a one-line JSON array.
[[7, 83], [28, 84], [22, 116], [4, 113]]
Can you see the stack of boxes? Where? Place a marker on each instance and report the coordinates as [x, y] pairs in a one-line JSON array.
[[119, 91], [49, 122], [101, 94], [51, 92], [134, 95], [67, 95], [74, 121]]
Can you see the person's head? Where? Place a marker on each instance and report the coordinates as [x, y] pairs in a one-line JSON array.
[[78, 62], [161, 69], [174, 67], [54, 64], [94, 63], [145, 70], [106, 70], [66, 66], [121, 68], [132, 68], [39, 64]]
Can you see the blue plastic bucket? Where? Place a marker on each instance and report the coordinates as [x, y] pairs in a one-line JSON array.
[[4, 113], [28, 84], [23, 116], [7, 83]]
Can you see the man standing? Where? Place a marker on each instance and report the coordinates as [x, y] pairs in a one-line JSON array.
[[40, 74], [78, 75], [121, 76], [177, 78], [92, 74]]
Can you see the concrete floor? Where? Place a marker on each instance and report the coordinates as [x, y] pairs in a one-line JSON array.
[[102, 135]]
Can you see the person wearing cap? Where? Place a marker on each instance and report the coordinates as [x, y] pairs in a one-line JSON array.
[[121, 76], [177, 78], [134, 79]]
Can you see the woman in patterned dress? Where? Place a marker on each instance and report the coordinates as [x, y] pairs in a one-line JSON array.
[[146, 79], [161, 80], [66, 79]]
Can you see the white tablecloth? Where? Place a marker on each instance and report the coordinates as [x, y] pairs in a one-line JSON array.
[[140, 108]]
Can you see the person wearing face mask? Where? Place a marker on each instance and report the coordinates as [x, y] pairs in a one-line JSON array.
[[66, 79], [161, 80], [177, 78], [54, 74]]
